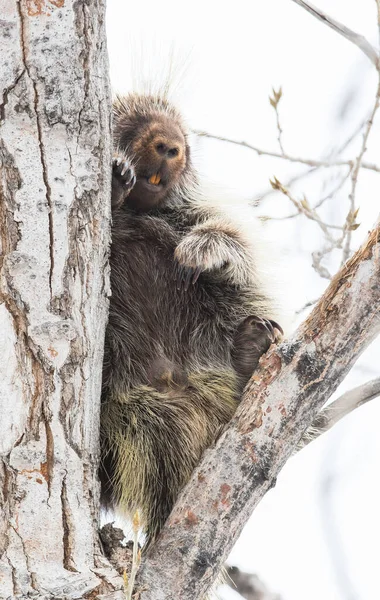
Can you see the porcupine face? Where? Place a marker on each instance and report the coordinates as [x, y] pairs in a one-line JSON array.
[[155, 141]]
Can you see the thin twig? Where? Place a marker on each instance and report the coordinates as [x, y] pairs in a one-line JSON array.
[[338, 409], [303, 161], [291, 181], [279, 129], [274, 101], [320, 202], [304, 208], [333, 153], [307, 305], [331, 193], [353, 135], [334, 191], [351, 36], [355, 174]]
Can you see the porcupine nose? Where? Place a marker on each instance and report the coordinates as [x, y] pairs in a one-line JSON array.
[[167, 150]]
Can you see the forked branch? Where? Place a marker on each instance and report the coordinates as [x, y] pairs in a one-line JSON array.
[[292, 383], [342, 406]]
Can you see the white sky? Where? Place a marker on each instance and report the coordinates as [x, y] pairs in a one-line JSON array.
[[239, 51]]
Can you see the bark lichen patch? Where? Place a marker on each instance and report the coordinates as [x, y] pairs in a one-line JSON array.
[[36, 8], [201, 564], [6, 93], [251, 417], [251, 450], [225, 490], [288, 350], [270, 365], [191, 519]]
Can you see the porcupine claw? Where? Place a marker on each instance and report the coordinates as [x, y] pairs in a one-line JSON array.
[[186, 275]]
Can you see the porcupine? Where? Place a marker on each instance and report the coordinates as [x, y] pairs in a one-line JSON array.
[[189, 317]]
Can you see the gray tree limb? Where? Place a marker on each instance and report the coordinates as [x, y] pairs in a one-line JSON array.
[[279, 404], [342, 406], [349, 34], [248, 585]]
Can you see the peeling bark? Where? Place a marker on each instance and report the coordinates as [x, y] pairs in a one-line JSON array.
[[292, 383], [55, 151]]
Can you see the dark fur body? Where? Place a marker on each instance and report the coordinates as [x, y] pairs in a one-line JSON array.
[[177, 344]]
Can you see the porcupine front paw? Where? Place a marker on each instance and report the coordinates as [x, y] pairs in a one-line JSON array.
[[190, 259], [123, 179], [252, 339], [208, 247]]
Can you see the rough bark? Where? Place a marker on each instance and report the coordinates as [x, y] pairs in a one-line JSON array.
[[54, 235], [292, 383]]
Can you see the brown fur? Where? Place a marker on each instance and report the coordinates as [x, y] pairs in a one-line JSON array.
[[181, 341]]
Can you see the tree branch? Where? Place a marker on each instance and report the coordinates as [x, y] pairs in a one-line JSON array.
[[359, 40], [332, 242], [303, 161], [338, 409], [280, 402], [248, 585]]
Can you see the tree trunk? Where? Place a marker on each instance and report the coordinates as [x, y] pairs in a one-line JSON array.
[[55, 150]]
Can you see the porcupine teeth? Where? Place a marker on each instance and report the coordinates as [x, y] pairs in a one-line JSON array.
[[155, 179]]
